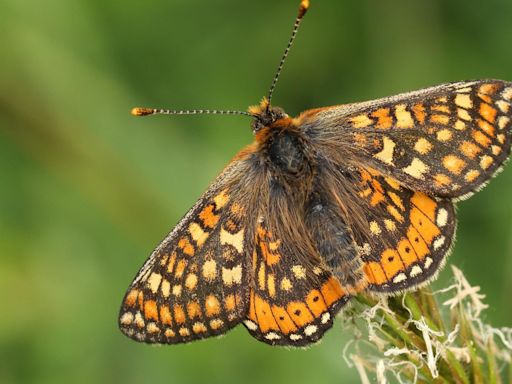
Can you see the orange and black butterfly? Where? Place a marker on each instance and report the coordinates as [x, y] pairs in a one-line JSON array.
[[339, 200]]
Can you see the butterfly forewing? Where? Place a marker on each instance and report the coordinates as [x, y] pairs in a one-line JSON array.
[[195, 284], [445, 141]]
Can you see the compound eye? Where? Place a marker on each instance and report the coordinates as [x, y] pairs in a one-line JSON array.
[[256, 125]]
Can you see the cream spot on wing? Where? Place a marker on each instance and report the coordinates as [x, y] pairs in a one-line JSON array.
[[507, 93], [176, 290], [184, 332], [272, 336], [197, 234], [386, 155], [210, 270], [439, 242], [503, 106], [361, 121], [390, 225], [152, 328], [191, 281], [271, 284], [139, 320], [127, 318], [428, 262], [496, 150], [375, 228], [299, 271], [415, 271], [261, 276], [250, 325], [326, 316], [422, 146], [232, 276], [166, 288], [464, 101], [486, 161], [310, 330], [399, 278], [463, 114], [236, 240], [286, 284], [154, 282], [501, 138], [295, 337], [403, 117], [416, 169], [444, 135], [503, 121], [460, 125], [442, 217], [221, 199]]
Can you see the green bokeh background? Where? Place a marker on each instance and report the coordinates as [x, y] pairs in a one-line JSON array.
[[87, 191]]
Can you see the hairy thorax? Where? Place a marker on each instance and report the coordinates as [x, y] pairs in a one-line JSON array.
[[283, 147]]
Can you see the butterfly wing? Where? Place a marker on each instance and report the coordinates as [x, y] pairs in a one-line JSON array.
[[195, 284], [408, 233], [445, 141], [292, 302]]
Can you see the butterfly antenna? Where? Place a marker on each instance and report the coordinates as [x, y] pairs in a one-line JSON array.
[[304, 6], [155, 111]]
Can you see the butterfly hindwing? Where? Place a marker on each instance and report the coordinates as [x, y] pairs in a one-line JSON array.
[[291, 303], [445, 141], [408, 234], [195, 284]]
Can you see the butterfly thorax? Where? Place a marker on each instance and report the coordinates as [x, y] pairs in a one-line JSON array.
[[281, 144]]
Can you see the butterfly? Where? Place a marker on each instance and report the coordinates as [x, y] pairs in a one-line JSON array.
[[336, 201]]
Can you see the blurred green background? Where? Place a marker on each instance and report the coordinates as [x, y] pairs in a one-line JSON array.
[[87, 190]]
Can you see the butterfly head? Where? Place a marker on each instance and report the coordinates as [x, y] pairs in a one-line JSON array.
[[265, 115]]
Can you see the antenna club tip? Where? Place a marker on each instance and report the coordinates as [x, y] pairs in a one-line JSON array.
[[142, 111], [304, 6]]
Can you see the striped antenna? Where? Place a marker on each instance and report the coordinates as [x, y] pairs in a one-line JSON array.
[[155, 111], [304, 6]]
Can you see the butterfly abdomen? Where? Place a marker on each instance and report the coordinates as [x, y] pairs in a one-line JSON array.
[[334, 243]]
